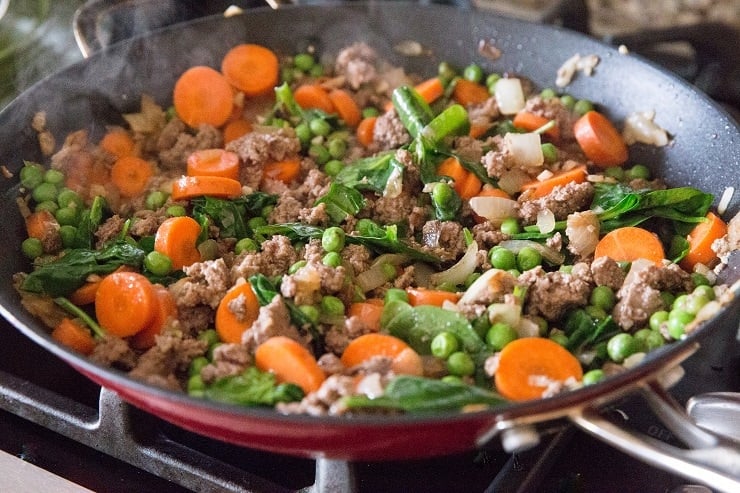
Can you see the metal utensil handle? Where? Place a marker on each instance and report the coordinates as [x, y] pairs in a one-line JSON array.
[[710, 459]]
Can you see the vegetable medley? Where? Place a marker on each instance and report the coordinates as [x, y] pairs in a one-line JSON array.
[[333, 235]]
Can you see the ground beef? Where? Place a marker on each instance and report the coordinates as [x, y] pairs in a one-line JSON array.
[[324, 400], [389, 132], [468, 148], [406, 279], [309, 283], [731, 241], [483, 113], [607, 272], [109, 230], [262, 145], [391, 210], [113, 351], [206, 284], [174, 155], [446, 237], [228, 360], [357, 64], [357, 256], [553, 109], [287, 210], [273, 320], [275, 259], [338, 337], [498, 160], [170, 356], [552, 294], [562, 201], [315, 216], [147, 222], [487, 235]]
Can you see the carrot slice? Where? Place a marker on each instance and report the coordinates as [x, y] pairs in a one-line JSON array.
[[346, 107], [118, 143], [367, 311], [424, 296], [73, 335], [202, 95], [430, 90], [41, 224], [478, 129], [467, 92], [600, 140], [251, 68], [285, 171], [290, 362], [630, 243], [544, 187], [527, 364], [466, 184], [366, 130], [131, 174], [125, 303], [188, 187], [236, 312], [235, 129], [700, 242], [313, 96], [165, 309], [213, 162], [176, 237], [405, 359], [85, 294], [530, 122]]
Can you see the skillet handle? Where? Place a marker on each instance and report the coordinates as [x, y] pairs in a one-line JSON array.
[[709, 458]]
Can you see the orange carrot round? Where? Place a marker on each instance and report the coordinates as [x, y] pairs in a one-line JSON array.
[[466, 184], [478, 129], [235, 129], [130, 174], [165, 309], [346, 107], [544, 187], [125, 303], [313, 96], [176, 237], [424, 296], [530, 122], [203, 96], [467, 92], [85, 294], [188, 187], [251, 68], [527, 364], [630, 243], [286, 170], [213, 162], [118, 143], [405, 359], [290, 362], [700, 241], [366, 130], [367, 311], [231, 322], [73, 335], [600, 140], [430, 90], [40, 224]]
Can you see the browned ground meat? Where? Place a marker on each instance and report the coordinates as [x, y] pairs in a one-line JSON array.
[[114, 351], [563, 200], [390, 210], [606, 272], [389, 131], [276, 257], [553, 109], [257, 148], [169, 357], [444, 237], [228, 359], [206, 283], [497, 160], [320, 402], [338, 336], [487, 235], [468, 148], [483, 113], [551, 294], [174, 156], [147, 222], [357, 64], [273, 320], [109, 230], [357, 256], [731, 241]]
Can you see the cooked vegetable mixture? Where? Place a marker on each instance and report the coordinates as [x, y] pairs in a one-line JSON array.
[[331, 237]]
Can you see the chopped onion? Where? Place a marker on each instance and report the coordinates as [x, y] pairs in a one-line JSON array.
[[492, 281], [639, 127], [495, 209], [511, 181], [375, 276], [461, 270], [525, 149], [394, 185], [582, 231], [509, 96], [549, 254], [545, 220], [527, 328], [507, 313], [724, 201]]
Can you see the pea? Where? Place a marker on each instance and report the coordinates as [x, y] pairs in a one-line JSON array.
[[615, 172], [444, 344], [54, 176], [603, 297], [311, 312], [667, 298], [596, 312], [45, 191], [473, 73], [297, 266], [208, 249], [158, 263], [396, 294], [528, 258], [197, 364], [481, 325], [266, 211], [705, 291], [319, 153], [491, 81], [155, 200], [677, 321], [67, 216], [304, 61], [514, 273], [32, 248], [286, 74], [620, 347], [695, 303], [541, 324], [499, 335], [452, 380], [332, 259], [638, 171], [460, 364], [583, 106], [332, 240], [560, 338], [331, 305], [68, 234], [369, 111], [31, 175], [69, 198], [210, 336], [548, 93], [657, 319], [333, 167], [47, 205], [317, 70], [654, 340], [593, 376], [568, 101], [502, 258], [256, 222], [640, 338], [245, 245], [176, 211], [196, 386], [337, 148], [303, 132], [549, 152], [319, 126], [680, 302], [565, 268], [442, 193], [510, 226]]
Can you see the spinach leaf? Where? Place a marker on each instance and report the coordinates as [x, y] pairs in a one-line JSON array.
[[252, 388], [618, 201], [583, 330], [294, 231], [370, 173], [231, 215], [417, 394], [64, 275], [341, 202], [89, 223]]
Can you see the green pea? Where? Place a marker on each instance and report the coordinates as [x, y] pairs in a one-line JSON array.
[[337, 148], [256, 222], [68, 234], [176, 211], [593, 376], [616, 172], [565, 268], [596, 312], [514, 273], [197, 364], [369, 111], [499, 335], [560, 338], [319, 153], [155, 200], [528, 258], [311, 312], [638, 171], [332, 305], [491, 81], [677, 321], [452, 380], [210, 336], [548, 93], [640, 338], [680, 302], [67, 216], [47, 205], [510, 226], [332, 259], [319, 126], [286, 74], [303, 132], [583, 106], [442, 193], [620, 347], [695, 303], [541, 324], [549, 152], [45, 191], [31, 175], [266, 211], [246, 245], [502, 258], [444, 344], [32, 248], [460, 364], [54, 176], [317, 70], [705, 291], [568, 101], [208, 249], [473, 73], [304, 61], [333, 167], [654, 340], [657, 319], [196, 386], [158, 263], [603, 297], [69, 198], [396, 294], [297, 266], [332, 240], [470, 279]]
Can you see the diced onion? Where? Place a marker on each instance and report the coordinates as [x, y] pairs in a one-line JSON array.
[[582, 231], [375, 276], [461, 270], [639, 127], [492, 281], [507, 313], [527, 328], [495, 209], [724, 201], [525, 149], [549, 254], [509, 96], [511, 181], [394, 185], [545, 220]]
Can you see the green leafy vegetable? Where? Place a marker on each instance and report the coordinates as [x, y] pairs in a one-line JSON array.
[[89, 223], [252, 388], [371, 173], [231, 215], [583, 330], [341, 202]]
